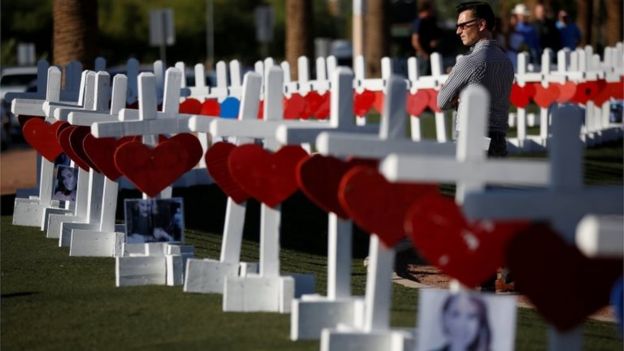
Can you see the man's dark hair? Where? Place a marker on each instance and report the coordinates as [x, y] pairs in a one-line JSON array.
[[424, 6], [481, 9]]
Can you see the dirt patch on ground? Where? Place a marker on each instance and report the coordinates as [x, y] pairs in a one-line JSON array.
[[17, 170]]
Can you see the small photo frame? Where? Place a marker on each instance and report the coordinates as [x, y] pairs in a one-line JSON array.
[[465, 321], [65, 183], [154, 220]]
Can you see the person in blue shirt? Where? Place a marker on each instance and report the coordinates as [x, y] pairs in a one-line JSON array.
[[528, 32], [425, 36], [570, 33]]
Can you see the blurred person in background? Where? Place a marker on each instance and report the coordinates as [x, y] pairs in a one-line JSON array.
[[569, 33], [425, 36], [528, 32], [546, 29]]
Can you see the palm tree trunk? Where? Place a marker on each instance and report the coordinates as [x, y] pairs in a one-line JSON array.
[[377, 36], [614, 21], [75, 31], [298, 32], [584, 20]]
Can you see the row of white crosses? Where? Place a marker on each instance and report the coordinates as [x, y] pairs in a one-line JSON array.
[[576, 66], [28, 211], [564, 202], [267, 290]]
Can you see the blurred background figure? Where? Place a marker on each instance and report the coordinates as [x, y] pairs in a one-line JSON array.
[[425, 36], [521, 12], [546, 29], [569, 33]]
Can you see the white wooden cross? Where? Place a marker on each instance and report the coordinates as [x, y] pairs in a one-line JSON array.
[[373, 328], [601, 236], [90, 183], [99, 236], [564, 202], [272, 291], [312, 313], [208, 275], [29, 211], [157, 265]]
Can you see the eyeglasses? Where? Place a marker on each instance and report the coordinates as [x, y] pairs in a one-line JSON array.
[[464, 25]]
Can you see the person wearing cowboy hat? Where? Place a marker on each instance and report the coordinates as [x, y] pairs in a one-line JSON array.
[[521, 12]]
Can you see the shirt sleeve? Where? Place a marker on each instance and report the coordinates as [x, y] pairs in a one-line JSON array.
[[456, 81]]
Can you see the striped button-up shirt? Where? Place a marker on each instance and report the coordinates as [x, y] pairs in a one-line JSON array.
[[488, 66]]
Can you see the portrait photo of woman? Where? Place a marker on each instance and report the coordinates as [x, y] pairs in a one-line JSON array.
[[465, 321], [66, 181]]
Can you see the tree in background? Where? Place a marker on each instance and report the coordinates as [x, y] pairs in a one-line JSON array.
[[298, 32], [377, 35], [75, 31]]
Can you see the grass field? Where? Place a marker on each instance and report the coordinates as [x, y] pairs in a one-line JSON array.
[[51, 301]]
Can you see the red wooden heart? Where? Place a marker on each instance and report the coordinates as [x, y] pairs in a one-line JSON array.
[[261, 110], [564, 285], [468, 252], [584, 92], [190, 106], [101, 152], [433, 100], [617, 89], [417, 102], [269, 177], [22, 119], [379, 101], [544, 96], [64, 140], [318, 178], [363, 102], [322, 112], [211, 108], [152, 169], [312, 103], [603, 93], [42, 137], [193, 148], [566, 91], [294, 107], [377, 205], [217, 165], [521, 96], [76, 141]]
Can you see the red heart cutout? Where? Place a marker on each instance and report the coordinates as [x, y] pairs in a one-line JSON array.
[[584, 92], [294, 107], [42, 137], [322, 112], [603, 93], [521, 96], [193, 148], [217, 165], [433, 100], [211, 108], [76, 141], [190, 106], [152, 169], [312, 103], [64, 140], [545, 96], [363, 102], [319, 176], [377, 205], [379, 101], [617, 90], [564, 285], [269, 177], [566, 91], [468, 252], [101, 152], [22, 119], [261, 110], [417, 102]]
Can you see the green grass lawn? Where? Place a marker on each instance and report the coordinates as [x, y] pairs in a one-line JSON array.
[[51, 301]]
